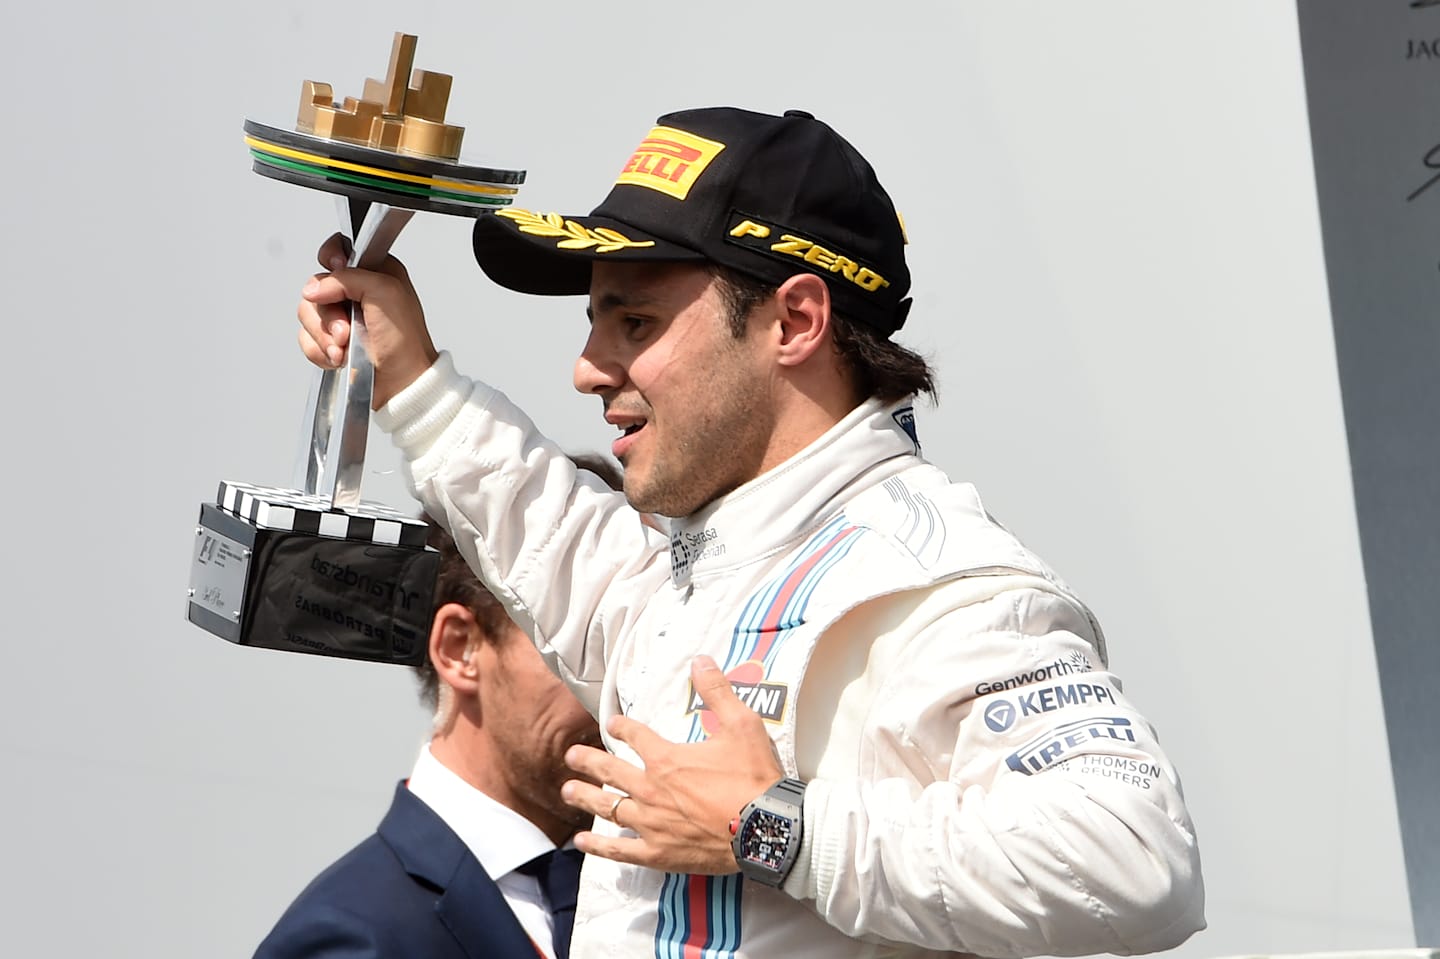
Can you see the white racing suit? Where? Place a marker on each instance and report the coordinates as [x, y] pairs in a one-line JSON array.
[[977, 780]]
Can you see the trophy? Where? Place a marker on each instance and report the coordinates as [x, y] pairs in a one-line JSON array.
[[312, 568]]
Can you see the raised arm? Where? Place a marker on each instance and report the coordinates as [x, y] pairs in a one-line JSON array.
[[561, 551], [569, 559]]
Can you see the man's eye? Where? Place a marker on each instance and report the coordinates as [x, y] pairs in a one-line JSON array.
[[636, 325]]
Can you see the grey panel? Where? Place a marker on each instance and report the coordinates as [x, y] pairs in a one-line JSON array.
[[1372, 73]]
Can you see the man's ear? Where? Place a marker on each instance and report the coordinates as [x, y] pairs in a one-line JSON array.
[[803, 302], [454, 637]]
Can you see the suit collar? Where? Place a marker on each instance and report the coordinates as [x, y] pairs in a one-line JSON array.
[[470, 904], [479, 917], [425, 846]]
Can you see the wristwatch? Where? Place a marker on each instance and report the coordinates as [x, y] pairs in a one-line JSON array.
[[767, 832]]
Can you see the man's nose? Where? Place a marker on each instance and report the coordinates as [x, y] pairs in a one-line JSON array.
[[595, 372]]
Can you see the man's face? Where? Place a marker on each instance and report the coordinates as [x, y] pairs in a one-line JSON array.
[[531, 718], [692, 401]]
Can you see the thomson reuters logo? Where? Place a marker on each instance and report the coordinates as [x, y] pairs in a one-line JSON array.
[[669, 160]]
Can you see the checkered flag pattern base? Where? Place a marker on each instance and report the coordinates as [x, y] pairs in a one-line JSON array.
[[292, 510]]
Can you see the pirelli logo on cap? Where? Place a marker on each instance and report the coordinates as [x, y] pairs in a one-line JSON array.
[[781, 242], [670, 161]]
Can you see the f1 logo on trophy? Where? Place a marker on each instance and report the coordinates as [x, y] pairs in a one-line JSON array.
[[314, 569]]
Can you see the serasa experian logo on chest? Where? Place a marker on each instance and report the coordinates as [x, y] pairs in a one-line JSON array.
[[701, 544], [687, 548]]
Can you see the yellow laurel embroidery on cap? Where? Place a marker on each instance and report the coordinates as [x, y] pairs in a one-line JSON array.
[[571, 235], [904, 233], [670, 161]]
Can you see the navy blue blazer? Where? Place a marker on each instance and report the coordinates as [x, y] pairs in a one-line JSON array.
[[412, 890]]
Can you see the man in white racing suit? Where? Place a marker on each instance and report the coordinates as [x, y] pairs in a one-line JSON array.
[[848, 713]]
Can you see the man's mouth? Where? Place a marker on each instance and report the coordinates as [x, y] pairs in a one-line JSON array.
[[628, 427], [628, 424]]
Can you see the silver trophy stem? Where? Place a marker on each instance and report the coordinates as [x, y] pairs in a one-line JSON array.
[[333, 463]]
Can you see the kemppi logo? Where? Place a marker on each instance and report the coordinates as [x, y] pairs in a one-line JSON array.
[[669, 160]]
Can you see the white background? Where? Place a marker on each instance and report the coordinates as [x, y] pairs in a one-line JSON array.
[[1117, 271]]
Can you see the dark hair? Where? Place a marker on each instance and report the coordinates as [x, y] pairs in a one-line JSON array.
[[878, 367], [457, 583]]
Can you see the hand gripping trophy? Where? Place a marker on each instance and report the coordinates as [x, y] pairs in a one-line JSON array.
[[314, 569]]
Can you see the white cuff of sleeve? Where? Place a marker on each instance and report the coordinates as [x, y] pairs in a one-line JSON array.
[[800, 884], [417, 415]]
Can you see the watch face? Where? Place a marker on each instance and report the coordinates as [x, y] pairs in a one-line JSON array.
[[766, 837]]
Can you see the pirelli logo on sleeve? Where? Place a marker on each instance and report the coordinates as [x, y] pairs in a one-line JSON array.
[[669, 160], [783, 243]]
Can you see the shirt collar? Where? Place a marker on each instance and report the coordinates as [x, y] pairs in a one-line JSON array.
[[499, 837]]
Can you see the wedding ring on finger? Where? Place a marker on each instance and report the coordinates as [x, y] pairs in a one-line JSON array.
[[613, 807]]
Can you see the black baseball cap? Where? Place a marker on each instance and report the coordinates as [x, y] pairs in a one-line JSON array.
[[766, 196]]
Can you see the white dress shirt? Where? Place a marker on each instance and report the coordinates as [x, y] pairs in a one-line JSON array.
[[500, 838]]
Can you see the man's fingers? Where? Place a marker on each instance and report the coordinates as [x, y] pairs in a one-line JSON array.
[[631, 849], [399, 345], [651, 852], [313, 351], [334, 255], [337, 321], [324, 312], [335, 246], [596, 801], [637, 736], [715, 691], [602, 767], [324, 288], [343, 284], [324, 328]]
